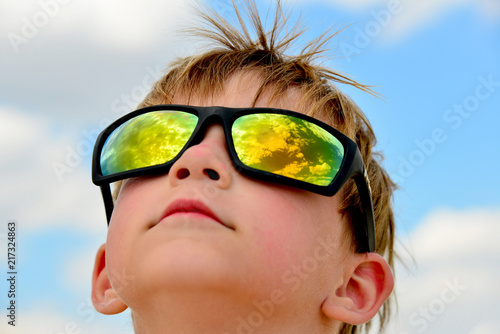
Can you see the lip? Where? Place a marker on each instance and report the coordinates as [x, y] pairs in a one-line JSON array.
[[190, 206]]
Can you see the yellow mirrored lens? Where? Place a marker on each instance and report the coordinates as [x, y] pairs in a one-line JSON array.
[[147, 140], [287, 146]]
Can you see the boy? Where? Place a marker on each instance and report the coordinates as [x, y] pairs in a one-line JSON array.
[[236, 213]]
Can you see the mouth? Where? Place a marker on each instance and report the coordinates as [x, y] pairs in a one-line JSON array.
[[191, 207]]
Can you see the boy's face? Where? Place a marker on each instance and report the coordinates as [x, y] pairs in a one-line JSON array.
[[253, 241]]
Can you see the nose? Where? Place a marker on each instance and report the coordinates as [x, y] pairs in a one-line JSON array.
[[207, 161]]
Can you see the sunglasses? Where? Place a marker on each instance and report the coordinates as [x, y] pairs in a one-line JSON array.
[[267, 144]]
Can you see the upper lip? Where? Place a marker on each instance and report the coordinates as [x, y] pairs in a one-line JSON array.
[[190, 205]]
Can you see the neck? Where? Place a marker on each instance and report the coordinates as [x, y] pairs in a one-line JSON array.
[[219, 314]]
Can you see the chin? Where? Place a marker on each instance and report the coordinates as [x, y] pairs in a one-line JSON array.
[[185, 263]]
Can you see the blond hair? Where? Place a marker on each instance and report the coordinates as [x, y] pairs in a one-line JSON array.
[[234, 50]]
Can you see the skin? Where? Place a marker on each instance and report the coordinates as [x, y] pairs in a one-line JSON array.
[[277, 248]]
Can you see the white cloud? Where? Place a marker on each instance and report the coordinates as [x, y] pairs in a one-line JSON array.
[[17, 132], [127, 24], [485, 328], [78, 267], [490, 9], [123, 24], [444, 230], [32, 193], [418, 14], [453, 288], [76, 59]]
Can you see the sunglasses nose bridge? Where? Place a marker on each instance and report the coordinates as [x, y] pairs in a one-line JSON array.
[[206, 156], [210, 116]]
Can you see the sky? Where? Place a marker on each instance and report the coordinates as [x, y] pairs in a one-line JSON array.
[[69, 68]]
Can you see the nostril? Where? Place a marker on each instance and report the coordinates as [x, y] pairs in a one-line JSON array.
[[213, 175], [182, 173]]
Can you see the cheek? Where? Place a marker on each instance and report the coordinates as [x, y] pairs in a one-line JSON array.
[[297, 244], [138, 202], [285, 233], [130, 215], [132, 197], [296, 230], [126, 211]]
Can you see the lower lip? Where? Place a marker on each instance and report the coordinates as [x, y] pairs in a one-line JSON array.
[[191, 216]]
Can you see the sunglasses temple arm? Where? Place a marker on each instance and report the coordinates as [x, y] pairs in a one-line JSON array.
[[367, 230], [108, 201], [362, 183]]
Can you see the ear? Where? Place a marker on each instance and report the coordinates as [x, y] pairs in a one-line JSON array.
[[104, 297], [368, 282]]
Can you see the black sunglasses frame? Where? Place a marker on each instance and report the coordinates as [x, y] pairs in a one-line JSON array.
[[352, 165]]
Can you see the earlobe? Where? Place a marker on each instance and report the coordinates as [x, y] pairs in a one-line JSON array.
[[365, 288], [104, 297]]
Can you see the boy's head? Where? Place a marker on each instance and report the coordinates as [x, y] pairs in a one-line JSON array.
[[205, 248]]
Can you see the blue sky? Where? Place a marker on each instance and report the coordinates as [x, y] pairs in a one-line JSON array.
[[421, 77], [433, 73], [87, 63]]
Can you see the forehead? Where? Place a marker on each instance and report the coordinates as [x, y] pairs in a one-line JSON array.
[[243, 89]]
